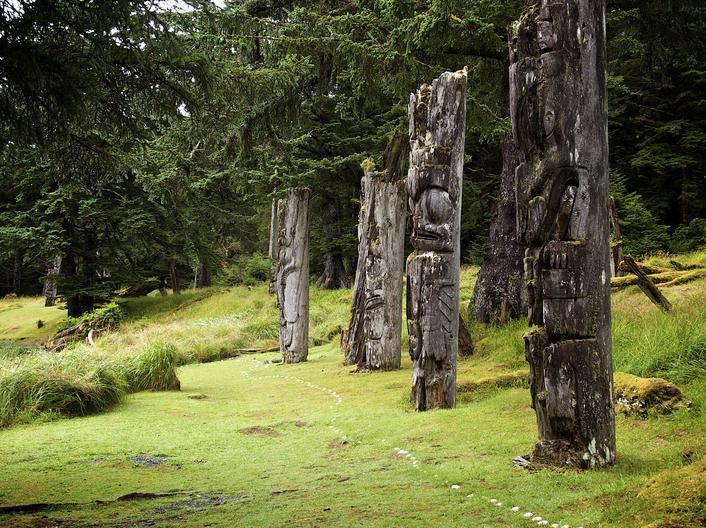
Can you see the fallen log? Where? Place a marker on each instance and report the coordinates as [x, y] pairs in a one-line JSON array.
[[667, 278], [648, 287], [646, 268], [683, 267], [256, 350]]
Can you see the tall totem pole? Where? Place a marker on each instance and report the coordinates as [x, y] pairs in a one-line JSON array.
[[293, 274], [437, 117], [559, 120], [374, 337]]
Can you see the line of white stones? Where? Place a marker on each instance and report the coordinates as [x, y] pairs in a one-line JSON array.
[[399, 452]]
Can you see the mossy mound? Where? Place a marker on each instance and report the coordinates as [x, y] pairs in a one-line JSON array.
[[678, 496], [518, 378], [642, 396]]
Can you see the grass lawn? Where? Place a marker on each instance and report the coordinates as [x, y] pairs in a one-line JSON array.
[[250, 443]]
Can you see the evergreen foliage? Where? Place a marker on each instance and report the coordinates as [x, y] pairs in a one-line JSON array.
[[140, 143]]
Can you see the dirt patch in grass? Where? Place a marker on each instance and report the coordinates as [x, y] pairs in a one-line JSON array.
[[149, 461], [256, 429]]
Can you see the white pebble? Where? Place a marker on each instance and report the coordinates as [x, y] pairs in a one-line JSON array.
[[515, 508], [455, 486]]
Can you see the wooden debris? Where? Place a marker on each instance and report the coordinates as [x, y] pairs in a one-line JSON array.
[[648, 287]]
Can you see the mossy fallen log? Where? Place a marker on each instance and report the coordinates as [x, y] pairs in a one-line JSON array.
[[647, 269], [667, 278]]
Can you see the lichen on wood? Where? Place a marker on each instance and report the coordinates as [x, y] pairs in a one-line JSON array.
[[293, 274], [374, 336], [436, 131], [558, 109]]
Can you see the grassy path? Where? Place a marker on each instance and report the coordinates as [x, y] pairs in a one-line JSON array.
[[245, 444]]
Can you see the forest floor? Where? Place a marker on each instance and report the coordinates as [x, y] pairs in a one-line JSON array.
[[250, 443]]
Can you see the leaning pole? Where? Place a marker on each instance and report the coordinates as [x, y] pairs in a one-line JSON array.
[[437, 116], [559, 120], [293, 274]]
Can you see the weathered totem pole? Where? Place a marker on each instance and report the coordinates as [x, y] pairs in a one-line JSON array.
[[50, 286], [437, 116], [559, 120], [273, 247], [374, 337], [293, 275]]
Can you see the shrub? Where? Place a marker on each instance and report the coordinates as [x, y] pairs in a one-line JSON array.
[[72, 384], [641, 232], [689, 237], [249, 270], [151, 369]]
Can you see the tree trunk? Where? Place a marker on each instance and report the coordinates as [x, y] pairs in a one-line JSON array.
[[273, 248], [499, 295], [616, 246], [203, 276], [374, 337], [50, 281], [17, 272], [437, 116], [559, 118], [465, 343], [174, 279], [334, 275], [293, 275]]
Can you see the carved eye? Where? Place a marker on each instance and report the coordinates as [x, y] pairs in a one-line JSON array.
[[438, 206], [549, 120]]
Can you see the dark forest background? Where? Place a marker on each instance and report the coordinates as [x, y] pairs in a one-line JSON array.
[[141, 142]]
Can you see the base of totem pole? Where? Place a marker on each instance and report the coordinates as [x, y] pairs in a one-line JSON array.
[[563, 454]]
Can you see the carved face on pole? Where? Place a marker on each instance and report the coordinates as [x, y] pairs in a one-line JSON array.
[[557, 97]]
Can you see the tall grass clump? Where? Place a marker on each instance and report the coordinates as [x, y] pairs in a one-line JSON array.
[[650, 343], [154, 368], [46, 385]]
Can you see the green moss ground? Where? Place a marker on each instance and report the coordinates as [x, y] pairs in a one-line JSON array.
[[212, 448], [264, 450]]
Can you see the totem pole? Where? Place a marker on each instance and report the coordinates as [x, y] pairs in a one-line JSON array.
[[293, 275], [374, 337], [273, 247], [437, 116], [559, 121]]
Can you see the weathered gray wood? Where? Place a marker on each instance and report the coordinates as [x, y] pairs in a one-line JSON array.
[[465, 342], [648, 287], [50, 281], [616, 245], [293, 275], [273, 246], [374, 336], [559, 120], [437, 116]]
